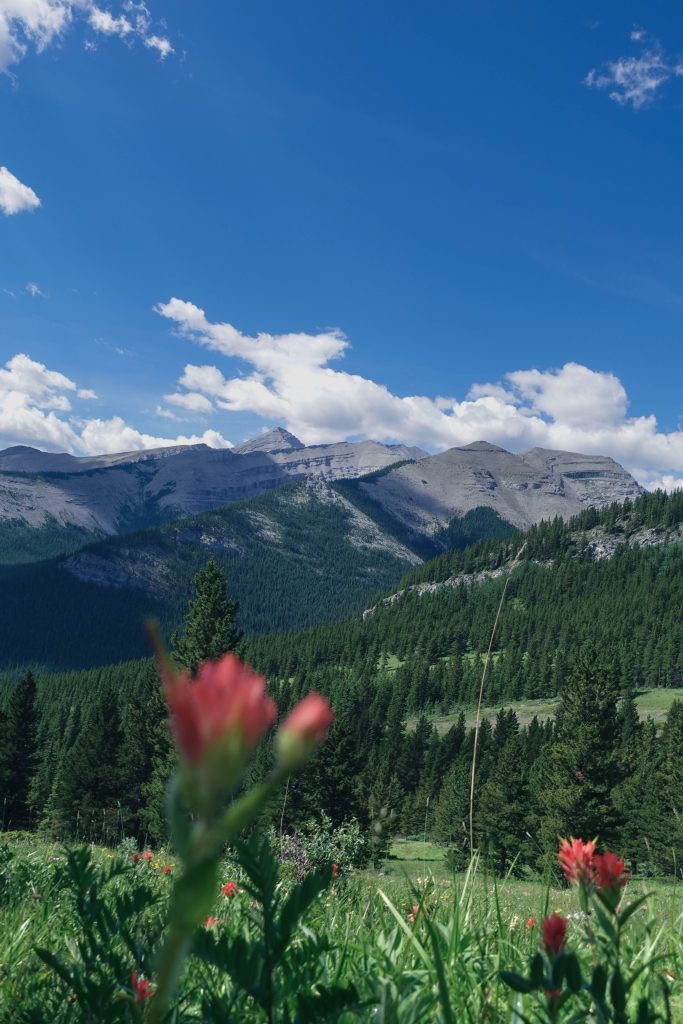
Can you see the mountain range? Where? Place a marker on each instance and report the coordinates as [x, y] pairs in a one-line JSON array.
[[63, 500], [91, 546]]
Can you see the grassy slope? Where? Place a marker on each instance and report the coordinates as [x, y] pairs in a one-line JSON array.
[[651, 704]]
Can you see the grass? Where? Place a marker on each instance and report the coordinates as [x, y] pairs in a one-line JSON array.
[[651, 704], [405, 972]]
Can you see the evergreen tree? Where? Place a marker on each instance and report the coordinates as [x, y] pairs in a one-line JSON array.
[[575, 778], [503, 811], [209, 629], [18, 753]]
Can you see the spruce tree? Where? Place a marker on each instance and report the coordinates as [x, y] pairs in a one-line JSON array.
[[209, 629], [503, 813], [576, 776], [18, 754]]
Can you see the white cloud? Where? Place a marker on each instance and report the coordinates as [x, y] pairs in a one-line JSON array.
[[288, 379], [192, 401], [114, 435], [105, 22], [34, 291], [36, 409], [635, 81], [39, 23], [160, 44], [15, 197]]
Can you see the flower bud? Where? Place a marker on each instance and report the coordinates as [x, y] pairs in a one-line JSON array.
[[302, 731]]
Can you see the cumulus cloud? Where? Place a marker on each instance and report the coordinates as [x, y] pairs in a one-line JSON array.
[[36, 409], [287, 378], [115, 435], [635, 80], [191, 401], [38, 23], [15, 197]]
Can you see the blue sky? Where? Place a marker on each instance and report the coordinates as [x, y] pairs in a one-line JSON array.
[[426, 222]]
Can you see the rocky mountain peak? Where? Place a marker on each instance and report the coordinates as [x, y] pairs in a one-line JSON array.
[[276, 440]]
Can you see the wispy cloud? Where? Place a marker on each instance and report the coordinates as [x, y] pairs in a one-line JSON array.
[[39, 23], [15, 197], [635, 80], [34, 291]]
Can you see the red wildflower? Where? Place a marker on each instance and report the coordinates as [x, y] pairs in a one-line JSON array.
[[303, 730], [142, 988], [531, 921], [554, 931], [147, 855], [225, 696], [335, 871], [609, 871], [229, 889], [211, 921], [135, 858], [167, 870], [576, 859], [415, 908], [411, 918]]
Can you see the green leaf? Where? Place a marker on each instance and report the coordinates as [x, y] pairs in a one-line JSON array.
[[573, 972], [605, 923], [631, 909], [326, 1004], [516, 982], [537, 973], [300, 899], [599, 982], [617, 991]]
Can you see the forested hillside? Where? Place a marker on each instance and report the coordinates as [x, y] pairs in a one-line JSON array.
[[592, 613], [295, 556]]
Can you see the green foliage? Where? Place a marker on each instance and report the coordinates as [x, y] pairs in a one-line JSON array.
[[18, 742], [348, 937], [208, 630], [21, 543]]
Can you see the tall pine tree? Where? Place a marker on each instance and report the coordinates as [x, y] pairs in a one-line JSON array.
[[209, 629]]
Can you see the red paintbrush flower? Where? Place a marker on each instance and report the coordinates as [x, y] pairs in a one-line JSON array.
[[147, 855], [229, 889], [576, 859], [609, 871], [225, 699], [167, 870], [554, 932], [142, 988]]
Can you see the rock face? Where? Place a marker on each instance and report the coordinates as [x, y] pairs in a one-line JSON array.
[[116, 493], [523, 489], [113, 494]]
